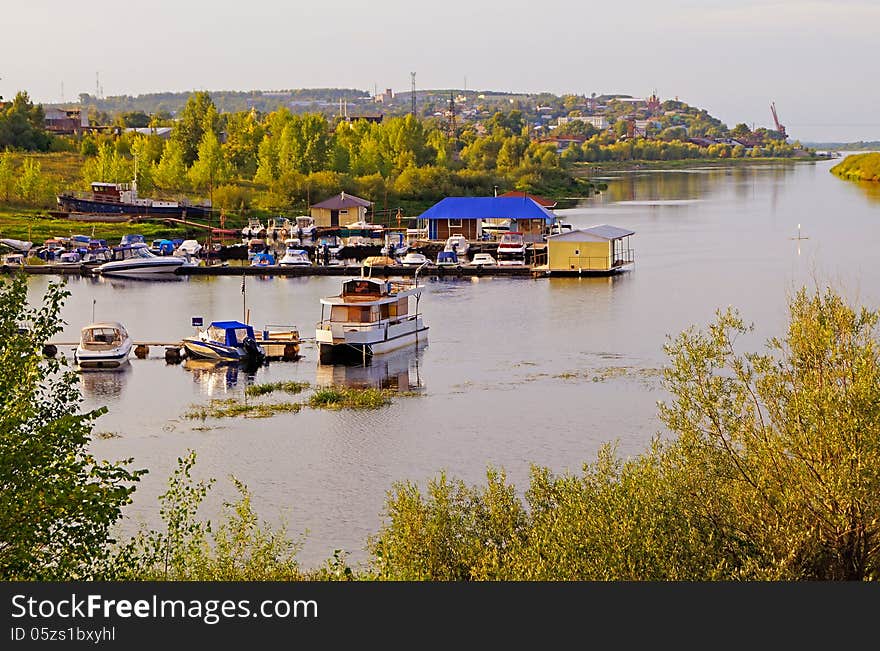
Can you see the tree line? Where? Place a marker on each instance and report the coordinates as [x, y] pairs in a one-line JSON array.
[[251, 162]]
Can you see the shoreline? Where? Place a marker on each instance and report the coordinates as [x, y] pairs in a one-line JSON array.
[[584, 170]]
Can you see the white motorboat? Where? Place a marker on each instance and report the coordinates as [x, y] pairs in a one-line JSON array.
[[305, 227], [294, 256], [370, 316], [137, 261], [188, 247], [253, 229], [482, 260], [413, 259], [457, 244], [512, 249], [104, 344], [395, 245]]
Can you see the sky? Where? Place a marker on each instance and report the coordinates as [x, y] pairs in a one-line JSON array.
[[816, 59]]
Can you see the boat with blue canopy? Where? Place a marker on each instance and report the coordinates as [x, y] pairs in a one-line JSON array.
[[230, 341]]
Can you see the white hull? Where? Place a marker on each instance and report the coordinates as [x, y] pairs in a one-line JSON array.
[[104, 359], [149, 268], [371, 349]]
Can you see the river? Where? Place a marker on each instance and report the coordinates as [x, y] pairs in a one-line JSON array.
[[516, 371]]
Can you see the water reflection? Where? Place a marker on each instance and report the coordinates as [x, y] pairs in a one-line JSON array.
[[104, 383], [397, 371], [218, 378]]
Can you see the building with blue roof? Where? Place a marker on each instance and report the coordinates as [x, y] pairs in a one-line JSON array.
[[466, 215]]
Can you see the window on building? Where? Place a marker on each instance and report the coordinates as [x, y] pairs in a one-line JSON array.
[[455, 223]]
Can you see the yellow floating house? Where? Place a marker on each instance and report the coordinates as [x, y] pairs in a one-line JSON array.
[[597, 251]]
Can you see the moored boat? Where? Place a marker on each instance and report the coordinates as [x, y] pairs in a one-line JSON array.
[[230, 341], [122, 198], [104, 344], [137, 261], [370, 316], [294, 256]]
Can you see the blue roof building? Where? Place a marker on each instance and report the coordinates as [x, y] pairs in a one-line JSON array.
[[466, 215]]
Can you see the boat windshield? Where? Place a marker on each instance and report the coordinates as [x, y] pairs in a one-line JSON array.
[[228, 336], [101, 336], [142, 252]]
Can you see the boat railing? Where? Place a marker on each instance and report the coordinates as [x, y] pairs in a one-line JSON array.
[[360, 326], [280, 332]]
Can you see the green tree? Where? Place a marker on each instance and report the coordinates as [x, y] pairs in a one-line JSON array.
[[243, 136], [170, 173], [741, 130], [772, 472], [22, 125], [210, 168], [31, 182], [197, 117], [7, 175], [789, 438], [57, 503], [108, 166]]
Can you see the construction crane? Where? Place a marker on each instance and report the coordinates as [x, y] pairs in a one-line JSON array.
[[780, 128]]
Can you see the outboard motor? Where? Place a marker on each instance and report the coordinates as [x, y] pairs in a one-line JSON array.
[[253, 349]]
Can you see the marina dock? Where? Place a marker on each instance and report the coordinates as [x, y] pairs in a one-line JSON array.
[[277, 270]]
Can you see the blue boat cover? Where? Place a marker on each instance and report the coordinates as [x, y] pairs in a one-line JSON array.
[[230, 327], [488, 208]]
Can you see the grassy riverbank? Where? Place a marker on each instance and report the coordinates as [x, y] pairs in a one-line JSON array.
[[36, 226], [859, 167]]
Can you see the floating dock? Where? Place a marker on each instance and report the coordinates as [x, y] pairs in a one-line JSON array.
[[277, 270]]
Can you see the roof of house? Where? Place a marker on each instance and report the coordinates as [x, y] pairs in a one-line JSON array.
[[599, 233], [342, 200], [488, 208], [149, 131], [541, 201]]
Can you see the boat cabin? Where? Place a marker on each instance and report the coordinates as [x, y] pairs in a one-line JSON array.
[[139, 250], [107, 191], [369, 300], [102, 336], [230, 333]]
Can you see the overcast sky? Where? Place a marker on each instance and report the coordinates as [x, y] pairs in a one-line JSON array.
[[815, 58]]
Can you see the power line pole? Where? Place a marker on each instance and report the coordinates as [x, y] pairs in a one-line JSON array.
[[412, 76]]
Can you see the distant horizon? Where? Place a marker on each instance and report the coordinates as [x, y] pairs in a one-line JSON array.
[[813, 58]]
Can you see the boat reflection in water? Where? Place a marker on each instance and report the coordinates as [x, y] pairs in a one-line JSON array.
[[217, 377], [105, 382], [398, 371]]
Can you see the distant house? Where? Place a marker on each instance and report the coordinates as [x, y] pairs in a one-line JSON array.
[[65, 121], [339, 210], [702, 142], [465, 216], [598, 121], [562, 142], [163, 132], [601, 250]]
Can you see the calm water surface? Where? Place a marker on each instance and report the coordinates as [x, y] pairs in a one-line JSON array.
[[516, 371]]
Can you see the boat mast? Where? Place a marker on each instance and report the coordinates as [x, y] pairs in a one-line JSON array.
[[243, 299]]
